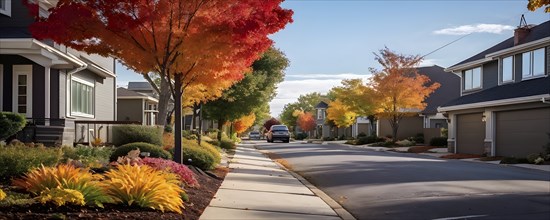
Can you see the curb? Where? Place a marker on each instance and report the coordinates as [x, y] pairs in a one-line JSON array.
[[340, 211]]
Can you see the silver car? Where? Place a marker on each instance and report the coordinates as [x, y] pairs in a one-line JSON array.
[[278, 132], [254, 135]]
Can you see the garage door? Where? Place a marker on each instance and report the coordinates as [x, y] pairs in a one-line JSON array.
[[470, 134], [520, 133]]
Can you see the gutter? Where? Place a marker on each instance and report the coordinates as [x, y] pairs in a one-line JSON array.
[[545, 98]]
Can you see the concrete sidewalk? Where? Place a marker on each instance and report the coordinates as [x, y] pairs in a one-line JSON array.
[[257, 188]]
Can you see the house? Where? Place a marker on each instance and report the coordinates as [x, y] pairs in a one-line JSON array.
[[504, 108], [136, 106], [60, 90], [323, 130], [427, 121]]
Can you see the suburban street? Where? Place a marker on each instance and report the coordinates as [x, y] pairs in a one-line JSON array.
[[389, 185]]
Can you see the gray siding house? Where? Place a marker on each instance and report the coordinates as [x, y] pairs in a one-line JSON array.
[[504, 108], [428, 121], [54, 86], [136, 106]]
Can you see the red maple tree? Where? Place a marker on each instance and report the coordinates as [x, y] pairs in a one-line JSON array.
[[306, 122]]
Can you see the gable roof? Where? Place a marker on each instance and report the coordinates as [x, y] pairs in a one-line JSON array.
[[322, 104], [449, 89], [528, 88], [139, 86], [123, 93], [536, 33]]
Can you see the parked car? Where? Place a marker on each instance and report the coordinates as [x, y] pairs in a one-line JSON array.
[[254, 135], [278, 132]]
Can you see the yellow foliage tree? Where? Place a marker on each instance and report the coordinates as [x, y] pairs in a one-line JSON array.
[[399, 90], [340, 114], [536, 4], [242, 124]]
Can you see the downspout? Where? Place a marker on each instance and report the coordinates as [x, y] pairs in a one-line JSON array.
[[68, 88]]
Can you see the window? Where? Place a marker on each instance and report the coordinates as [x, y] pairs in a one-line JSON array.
[[22, 89], [533, 63], [82, 98], [507, 69], [320, 114], [472, 79], [5, 7]]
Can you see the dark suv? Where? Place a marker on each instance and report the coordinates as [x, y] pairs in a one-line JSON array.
[[278, 132]]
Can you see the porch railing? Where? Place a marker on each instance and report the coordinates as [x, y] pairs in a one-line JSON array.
[[86, 131]]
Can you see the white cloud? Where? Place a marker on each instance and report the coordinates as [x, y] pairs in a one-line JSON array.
[[428, 62], [477, 28], [295, 85]]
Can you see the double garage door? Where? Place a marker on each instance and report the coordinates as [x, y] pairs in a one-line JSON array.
[[523, 132], [517, 133]]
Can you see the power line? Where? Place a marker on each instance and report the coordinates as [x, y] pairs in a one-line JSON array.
[[446, 45]]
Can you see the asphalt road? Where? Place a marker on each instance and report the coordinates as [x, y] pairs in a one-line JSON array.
[[389, 185]]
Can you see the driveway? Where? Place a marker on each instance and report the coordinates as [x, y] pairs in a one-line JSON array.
[[389, 185]]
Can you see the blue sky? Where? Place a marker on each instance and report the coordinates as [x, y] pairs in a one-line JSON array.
[[333, 40]]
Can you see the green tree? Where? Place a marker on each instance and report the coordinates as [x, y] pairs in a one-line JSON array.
[[252, 93]]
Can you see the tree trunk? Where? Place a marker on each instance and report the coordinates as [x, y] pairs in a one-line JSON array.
[[199, 134], [372, 120], [194, 121], [178, 157], [220, 127], [394, 127], [231, 130], [164, 101]]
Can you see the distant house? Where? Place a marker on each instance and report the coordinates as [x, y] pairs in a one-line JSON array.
[[323, 130], [427, 121], [504, 108], [136, 106], [54, 86]]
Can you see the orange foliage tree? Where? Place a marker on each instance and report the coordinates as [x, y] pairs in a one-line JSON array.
[[306, 121], [242, 124], [342, 115], [399, 90], [186, 42]]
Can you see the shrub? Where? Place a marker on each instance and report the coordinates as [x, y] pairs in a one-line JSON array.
[[301, 136], [60, 197], [227, 144], [328, 139], [16, 199], [438, 141], [126, 134], [362, 134], [513, 160], [145, 187], [185, 174], [16, 159], [205, 157], [405, 143], [154, 151], [444, 132], [388, 143], [368, 140], [342, 137], [89, 156], [43, 180], [188, 135], [11, 123], [419, 138], [168, 129]]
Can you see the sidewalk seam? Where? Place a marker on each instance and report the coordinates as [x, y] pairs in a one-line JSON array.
[[263, 210], [340, 211]]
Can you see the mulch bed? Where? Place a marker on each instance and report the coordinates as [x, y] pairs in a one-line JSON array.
[[420, 149], [199, 198], [460, 156]]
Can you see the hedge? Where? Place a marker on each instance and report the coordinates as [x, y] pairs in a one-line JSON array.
[[126, 134], [153, 150]]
